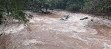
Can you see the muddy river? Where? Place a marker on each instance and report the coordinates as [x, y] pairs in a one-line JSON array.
[[47, 31]]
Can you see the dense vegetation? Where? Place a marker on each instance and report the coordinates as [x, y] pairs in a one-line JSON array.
[[90, 6], [15, 8]]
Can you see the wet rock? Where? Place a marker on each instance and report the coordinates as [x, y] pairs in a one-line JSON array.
[[65, 18], [92, 20], [1, 34]]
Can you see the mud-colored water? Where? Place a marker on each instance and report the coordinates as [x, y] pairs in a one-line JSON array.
[[49, 32]]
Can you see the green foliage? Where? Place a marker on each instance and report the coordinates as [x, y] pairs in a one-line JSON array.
[[14, 8], [97, 6], [38, 5], [74, 5], [46, 4], [19, 15], [89, 6]]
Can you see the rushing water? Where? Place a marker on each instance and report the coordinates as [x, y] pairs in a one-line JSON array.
[[49, 32]]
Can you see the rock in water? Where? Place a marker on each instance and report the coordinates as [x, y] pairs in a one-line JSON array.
[[65, 18], [92, 20]]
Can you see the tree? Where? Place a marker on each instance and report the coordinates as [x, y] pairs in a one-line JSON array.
[[13, 8], [97, 6], [46, 4]]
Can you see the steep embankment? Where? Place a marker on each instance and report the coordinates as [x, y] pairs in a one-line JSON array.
[[49, 32]]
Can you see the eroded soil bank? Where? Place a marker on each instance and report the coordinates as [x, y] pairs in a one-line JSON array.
[[49, 32]]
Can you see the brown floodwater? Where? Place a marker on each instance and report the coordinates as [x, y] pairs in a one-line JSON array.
[[47, 31]]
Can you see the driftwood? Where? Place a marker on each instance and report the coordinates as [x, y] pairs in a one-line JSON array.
[[84, 18]]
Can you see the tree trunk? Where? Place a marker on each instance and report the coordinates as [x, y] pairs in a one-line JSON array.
[[46, 9]]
